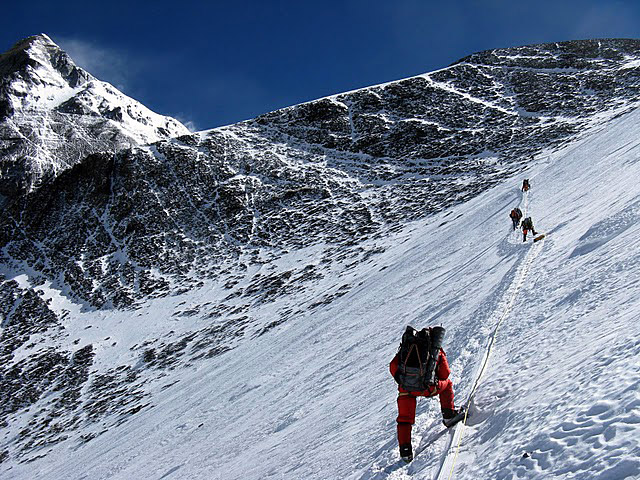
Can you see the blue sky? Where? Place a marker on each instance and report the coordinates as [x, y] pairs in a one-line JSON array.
[[212, 63]]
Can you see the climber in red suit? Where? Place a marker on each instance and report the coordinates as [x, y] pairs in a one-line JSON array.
[[407, 402]]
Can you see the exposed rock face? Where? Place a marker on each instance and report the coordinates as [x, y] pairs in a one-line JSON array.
[[53, 114], [117, 225], [502, 101], [356, 161]]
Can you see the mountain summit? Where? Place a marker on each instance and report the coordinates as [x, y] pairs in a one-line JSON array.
[[53, 114], [36, 73]]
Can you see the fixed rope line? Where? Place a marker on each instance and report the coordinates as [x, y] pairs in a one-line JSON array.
[[524, 269]]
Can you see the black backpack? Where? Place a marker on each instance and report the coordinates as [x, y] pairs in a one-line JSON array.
[[417, 358]]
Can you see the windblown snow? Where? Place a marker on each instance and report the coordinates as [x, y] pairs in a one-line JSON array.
[[313, 398]]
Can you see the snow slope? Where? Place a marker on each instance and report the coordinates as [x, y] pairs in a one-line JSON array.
[[313, 398]]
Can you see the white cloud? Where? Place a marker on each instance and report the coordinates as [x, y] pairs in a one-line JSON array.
[[190, 124]]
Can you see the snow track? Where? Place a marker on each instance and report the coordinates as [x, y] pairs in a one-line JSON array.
[[449, 462], [503, 311]]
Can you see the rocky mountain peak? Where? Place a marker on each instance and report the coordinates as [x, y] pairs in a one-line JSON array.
[[53, 114], [37, 73], [592, 54]]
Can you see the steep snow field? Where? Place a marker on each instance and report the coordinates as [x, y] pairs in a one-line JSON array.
[[313, 399]]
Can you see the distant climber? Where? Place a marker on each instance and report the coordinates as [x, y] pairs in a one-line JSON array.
[[421, 369], [516, 215], [527, 224], [525, 185]]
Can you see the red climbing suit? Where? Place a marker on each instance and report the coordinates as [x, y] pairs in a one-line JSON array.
[[407, 400]]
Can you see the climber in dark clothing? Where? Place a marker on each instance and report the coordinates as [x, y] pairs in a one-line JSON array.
[[516, 215], [525, 185], [527, 224]]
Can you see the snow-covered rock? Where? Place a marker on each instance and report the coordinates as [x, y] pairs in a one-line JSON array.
[[53, 114]]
